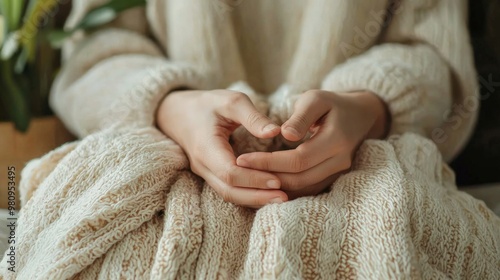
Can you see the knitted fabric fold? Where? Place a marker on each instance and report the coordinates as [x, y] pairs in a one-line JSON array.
[[415, 55], [122, 202], [99, 214]]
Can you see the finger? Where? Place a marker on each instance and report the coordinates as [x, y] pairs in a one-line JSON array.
[[292, 161], [241, 110], [309, 108], [313, 189], [307, 155], [315, 175], [254, 198], [223, 163]]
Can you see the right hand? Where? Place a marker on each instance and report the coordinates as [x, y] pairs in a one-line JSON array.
[[201, 123]]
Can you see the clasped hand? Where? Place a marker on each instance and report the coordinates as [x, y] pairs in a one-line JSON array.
[[201, 122]]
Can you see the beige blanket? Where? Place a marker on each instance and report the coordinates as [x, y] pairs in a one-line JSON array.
[[92, 212], [122, 203]]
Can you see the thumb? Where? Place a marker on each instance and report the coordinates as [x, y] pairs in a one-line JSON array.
[[258, 124], [308, 110]]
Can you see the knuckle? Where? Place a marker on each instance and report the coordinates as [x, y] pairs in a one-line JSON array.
[[301, 151], [226, 195], [254, 118], [195, 162], [300, 120], [254, 180], [228, 175], [314, 94], [195, 158], [298, 164], [257, 199], [195, 168], [237, 97], [347, 163], [294, 184], [344, 164], [265, 163], [229, 98]]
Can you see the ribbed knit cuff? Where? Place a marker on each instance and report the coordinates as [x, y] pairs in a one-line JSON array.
[[110, 83], [138, 105], [412, 80]]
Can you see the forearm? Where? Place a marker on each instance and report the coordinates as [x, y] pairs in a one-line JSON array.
[[108, 83], [413, 81], [423, 70]]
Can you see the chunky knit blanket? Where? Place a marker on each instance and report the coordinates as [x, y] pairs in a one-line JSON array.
[[124, 205]]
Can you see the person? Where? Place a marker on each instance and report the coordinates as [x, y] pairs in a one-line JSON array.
[[330, 117], [413, 80]]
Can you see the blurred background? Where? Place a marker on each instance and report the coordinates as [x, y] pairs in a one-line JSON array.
[[479, 163], [31, 34]]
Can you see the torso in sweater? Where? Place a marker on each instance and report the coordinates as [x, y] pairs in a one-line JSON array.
[[265, 42]]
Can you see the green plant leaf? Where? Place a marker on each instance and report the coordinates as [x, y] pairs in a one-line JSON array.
[[56, 37], [96, 17], [29, 9], [5, 11], [121, 5], [3, 29], [21, 62], [13, 98], [11, 10], [16, 9], [38, 11], [107, 12]]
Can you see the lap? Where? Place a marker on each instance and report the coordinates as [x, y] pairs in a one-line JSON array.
[[397, 206]]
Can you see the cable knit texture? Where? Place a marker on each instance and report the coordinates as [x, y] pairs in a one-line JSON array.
[[121, 203]]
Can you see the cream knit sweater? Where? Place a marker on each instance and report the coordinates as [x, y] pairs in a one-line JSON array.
[[122, 204]]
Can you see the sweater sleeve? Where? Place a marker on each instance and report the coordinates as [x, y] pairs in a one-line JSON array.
[[423, 69], [115, 77]]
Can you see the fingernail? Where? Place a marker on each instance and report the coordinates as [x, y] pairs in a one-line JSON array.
[[276, 200], [270, 127], [273, 184]]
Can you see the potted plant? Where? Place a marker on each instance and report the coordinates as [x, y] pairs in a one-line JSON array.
[[30, 35]]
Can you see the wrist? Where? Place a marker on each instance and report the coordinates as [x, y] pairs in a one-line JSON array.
[[161, 104], [376, 112], [382, 117]]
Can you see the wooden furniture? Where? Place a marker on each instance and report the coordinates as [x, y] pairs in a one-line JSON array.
[[16, 149]]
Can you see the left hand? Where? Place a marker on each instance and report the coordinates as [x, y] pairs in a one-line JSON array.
[[339, 123]]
